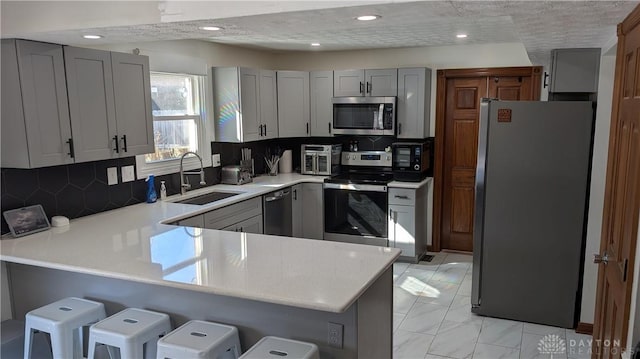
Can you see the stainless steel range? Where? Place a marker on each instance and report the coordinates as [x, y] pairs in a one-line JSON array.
[[355, 202]]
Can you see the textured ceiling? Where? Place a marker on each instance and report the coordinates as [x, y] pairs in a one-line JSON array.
[[539, 25]]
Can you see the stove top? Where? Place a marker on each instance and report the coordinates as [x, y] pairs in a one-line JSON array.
[[365, 167]]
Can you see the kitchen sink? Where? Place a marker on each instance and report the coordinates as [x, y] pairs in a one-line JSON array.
[[208, 198]]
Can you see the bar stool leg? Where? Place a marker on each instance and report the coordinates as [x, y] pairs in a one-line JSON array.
[[28, 342], [77, 343], [62, 346], [132, 352]]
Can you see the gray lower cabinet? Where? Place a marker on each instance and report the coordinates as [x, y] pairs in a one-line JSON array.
[[407, 221], [414, 102], [232, 215], [308, 211], [195, 221], [293, 104], [321, 107], [35, 115], [251, 225]]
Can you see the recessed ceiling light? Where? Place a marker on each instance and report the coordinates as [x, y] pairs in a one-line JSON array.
[[211, 28], [368, 17], [315, 44], [461, 36], [92, 37]]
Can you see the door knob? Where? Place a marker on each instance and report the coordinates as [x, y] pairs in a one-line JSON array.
[[601, 258]]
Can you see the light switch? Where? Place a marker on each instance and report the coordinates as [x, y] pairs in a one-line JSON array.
[[128, 174], [112, 175]]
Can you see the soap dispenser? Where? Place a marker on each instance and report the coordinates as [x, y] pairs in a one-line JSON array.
[[151, 190]]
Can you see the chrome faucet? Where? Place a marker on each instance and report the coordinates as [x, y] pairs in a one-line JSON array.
[[184, 181]]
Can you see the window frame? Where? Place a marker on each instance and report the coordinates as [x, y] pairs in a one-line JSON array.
[[204, 130]]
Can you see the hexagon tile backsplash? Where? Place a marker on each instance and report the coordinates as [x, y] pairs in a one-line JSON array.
[[81, 189]]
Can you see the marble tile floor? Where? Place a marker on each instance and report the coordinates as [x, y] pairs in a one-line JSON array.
[[432, 318]]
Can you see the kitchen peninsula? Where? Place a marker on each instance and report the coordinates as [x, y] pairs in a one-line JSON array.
[[264, 285]]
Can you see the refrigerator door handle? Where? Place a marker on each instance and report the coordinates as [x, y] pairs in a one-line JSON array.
[[478, 221]]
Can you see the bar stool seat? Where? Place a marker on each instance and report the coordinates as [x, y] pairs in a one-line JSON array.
[[130, 330], [275, 347], [63, 320], [199, 339]]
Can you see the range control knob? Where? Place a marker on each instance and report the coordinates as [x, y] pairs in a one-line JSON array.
[[388, 158], [416, 167]]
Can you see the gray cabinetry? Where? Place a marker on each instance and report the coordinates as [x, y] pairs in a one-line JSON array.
[[308, 211], [195, 221], [250, 225], [575, 70], [293, 103], [375, 82], [245, 103], [132, 94], [407, 221], [91, 103], [228, 216], [320, 94], [414, 102], [35, 116]]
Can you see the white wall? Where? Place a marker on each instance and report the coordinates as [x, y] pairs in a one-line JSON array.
[[598, 174]]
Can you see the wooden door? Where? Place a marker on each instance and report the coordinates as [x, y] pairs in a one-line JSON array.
[[622, 198], [461, 147], [510, 88]]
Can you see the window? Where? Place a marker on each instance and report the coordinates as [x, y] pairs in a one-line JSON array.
[[177, 102]]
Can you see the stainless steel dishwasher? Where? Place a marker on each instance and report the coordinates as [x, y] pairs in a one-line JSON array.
[[277, 213]]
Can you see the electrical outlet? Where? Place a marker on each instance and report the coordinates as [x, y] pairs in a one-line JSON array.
[[335, 334], [215, 160], [112, 175], [128, 174]]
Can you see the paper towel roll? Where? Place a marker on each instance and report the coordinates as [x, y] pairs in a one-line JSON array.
[[285, 165]]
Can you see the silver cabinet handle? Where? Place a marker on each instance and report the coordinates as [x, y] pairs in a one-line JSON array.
[[399, 127], [401, 197], [369, 87], [329, 127]]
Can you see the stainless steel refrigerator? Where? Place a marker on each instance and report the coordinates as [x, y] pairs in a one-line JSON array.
[[532, 184]]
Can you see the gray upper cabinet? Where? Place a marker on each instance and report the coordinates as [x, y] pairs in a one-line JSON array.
[[575, 70], [132, 94], [268, 104], [321, 108], [414, 102], [91, 103], [376, 82], [293, 103], [35, 115], [245, 104]]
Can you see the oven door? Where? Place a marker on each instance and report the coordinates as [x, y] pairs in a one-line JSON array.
[[355, 213]]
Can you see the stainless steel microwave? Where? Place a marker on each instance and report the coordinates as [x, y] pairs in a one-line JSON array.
[[374, 116]]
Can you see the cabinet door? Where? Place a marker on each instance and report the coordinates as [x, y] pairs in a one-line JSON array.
[[91, 104], [296, 210], [195, 221], [44, 100], [268, 104], [250, 104], [402, 229], [348, 83], [320, 94], [293, 104], [414, 100], [312, 211], [132, 93], [15, 153], [251, 225], [575, 70], [382, 82]]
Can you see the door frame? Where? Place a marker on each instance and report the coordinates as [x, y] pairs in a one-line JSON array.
[[535, 72]]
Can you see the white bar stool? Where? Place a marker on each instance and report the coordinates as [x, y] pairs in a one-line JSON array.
[[130, 330], [63, 320], [199, 339], [274, 347]]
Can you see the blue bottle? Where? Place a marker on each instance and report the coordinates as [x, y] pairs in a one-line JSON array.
[[151, 190]]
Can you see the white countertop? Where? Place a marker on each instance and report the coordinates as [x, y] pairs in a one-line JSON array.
[[131, 243], [410, 185]]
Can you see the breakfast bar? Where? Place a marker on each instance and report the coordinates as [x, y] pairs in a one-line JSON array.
[[263, 285]]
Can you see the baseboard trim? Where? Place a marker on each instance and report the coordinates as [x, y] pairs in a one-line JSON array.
[[584, 328]]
